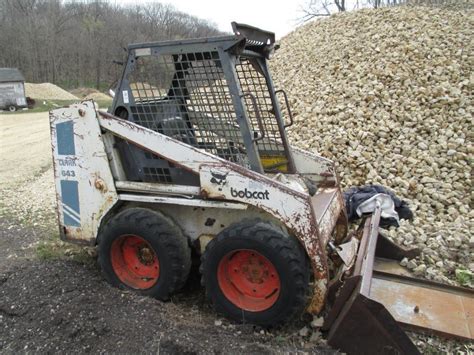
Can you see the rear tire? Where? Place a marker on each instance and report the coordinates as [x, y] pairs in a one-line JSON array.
[[254, 272], [145, 251], [12, 108]]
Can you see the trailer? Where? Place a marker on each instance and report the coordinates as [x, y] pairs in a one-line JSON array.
[[12, 89]]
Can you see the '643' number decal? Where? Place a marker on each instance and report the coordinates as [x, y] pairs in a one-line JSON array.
[[68, 173]]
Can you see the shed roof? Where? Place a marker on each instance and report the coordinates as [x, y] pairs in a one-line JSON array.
[[10, 74]]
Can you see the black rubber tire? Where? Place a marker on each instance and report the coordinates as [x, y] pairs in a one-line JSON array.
[[286, 254], [166, 239], [12, 108]]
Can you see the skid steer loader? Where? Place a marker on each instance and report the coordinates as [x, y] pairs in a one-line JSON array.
[[193, 155]]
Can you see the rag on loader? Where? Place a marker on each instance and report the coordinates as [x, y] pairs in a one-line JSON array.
[[193, 155]]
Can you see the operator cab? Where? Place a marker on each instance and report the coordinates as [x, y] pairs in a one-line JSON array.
[[215, 94]]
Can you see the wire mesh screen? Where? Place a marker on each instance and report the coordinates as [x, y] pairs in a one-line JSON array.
[[252, 80], [186, 96]]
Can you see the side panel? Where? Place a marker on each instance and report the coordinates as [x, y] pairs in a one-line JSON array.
[[85, 188], [207, 220]]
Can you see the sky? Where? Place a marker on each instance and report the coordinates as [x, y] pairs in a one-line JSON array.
[[276, 16]]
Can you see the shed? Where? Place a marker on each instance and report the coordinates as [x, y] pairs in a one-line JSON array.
[[12, 89]]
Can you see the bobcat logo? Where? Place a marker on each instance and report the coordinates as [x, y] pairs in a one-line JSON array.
[[258, 195], [218, 179]]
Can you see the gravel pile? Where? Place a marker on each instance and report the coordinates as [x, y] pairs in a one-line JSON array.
[[387, 94], [90, 94], [98, 96], [47, 91]]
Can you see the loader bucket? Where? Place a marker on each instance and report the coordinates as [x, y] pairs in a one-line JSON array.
[[357, 324]]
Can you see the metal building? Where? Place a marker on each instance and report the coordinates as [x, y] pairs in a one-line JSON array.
[[12, 89]]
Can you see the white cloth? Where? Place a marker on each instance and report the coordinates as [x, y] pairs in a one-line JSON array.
[[386, 204]]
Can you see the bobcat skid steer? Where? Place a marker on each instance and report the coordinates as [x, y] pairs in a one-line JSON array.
[[193, 155]]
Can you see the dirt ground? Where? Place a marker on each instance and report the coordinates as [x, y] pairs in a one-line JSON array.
[[53, 298], [65, 305]]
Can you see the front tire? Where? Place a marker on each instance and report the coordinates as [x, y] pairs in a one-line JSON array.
[[254, 272], [145, 251]]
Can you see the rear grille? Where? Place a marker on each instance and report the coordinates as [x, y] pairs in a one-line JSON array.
[[157, 174]]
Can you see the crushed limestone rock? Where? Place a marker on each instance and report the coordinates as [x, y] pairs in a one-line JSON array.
[[387, 95]]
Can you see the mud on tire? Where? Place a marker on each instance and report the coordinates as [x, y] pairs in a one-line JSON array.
[[255, 272], [143, 250]]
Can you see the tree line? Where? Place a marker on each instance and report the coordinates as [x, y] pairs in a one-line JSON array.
[[73, 43]]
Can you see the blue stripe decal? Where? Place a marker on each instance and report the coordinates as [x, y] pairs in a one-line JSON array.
[[70, 198], [65, 138], [70, 221]]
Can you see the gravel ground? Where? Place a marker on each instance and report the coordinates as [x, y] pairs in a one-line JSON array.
[[25, 147], [62, 305]]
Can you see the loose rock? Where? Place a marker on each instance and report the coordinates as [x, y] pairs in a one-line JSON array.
[[304, 332], [317, 322]]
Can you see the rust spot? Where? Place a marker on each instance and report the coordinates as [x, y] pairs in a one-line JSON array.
[[204, 193], [100, 185], [327, 183], [82, 112], [326, 174]]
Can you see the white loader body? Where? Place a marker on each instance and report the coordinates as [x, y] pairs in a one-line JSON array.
[[90, 183]]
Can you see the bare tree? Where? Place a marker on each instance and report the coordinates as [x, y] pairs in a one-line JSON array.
[[315, 8], [321, 8], [341, 5]]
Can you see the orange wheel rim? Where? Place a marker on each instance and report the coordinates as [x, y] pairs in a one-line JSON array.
[[135, 262], [249, 280]]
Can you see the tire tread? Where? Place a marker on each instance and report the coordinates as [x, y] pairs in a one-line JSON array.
[[172, 239], [277, 239]]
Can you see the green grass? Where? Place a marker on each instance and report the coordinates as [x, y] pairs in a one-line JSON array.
[[46, 250], [48, 105], [464, 276], [52, 248]]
